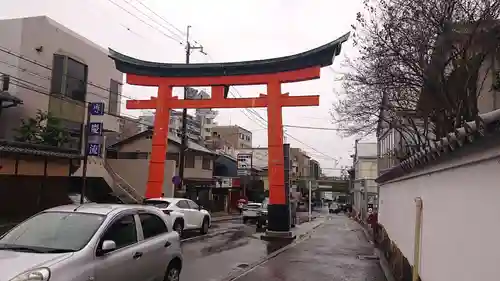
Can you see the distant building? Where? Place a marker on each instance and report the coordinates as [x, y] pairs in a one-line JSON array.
[[234, 135], [193, 127], [315, 169], [127, 128], [198, 127], [364, 188]]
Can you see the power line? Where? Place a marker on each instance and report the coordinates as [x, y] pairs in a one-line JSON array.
[[32, 61], [152, 19], [314, 128], [156, 14], [255, 113], [141, 20], [263, 122], [89, 83]]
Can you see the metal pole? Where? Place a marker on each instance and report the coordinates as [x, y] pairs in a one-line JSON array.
[[182, 153], [416, 245], [85, 155], [310, 192]]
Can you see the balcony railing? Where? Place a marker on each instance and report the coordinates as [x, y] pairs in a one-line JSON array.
[[122, 188]]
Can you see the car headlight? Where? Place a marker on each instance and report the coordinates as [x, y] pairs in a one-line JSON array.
[[38, 274]]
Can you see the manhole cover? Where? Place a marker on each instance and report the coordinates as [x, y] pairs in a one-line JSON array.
[[367, 257], [242, 265]]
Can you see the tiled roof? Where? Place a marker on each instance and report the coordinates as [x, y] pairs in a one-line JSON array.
[[6, 96], [467, 135], [191, 145], [38, 150]]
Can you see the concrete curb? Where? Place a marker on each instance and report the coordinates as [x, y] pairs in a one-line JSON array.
[[300, 238], [219, 219], [381, 258], [210, 235]]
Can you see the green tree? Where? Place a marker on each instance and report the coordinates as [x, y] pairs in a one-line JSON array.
[[44, 129]]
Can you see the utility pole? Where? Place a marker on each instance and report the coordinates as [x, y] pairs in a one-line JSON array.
[[184, 138]]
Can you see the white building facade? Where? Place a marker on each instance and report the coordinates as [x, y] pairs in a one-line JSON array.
[[198, 127], [364, 188], [454, 242], [55, 70]]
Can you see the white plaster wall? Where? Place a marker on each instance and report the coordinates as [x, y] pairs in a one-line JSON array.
[[22, 36], [461, 228]]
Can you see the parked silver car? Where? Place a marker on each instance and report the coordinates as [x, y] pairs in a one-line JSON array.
[[92, 242]]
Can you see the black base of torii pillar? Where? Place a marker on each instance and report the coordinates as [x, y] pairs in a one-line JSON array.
[[281, 217]]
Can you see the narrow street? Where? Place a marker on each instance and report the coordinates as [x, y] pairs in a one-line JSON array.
[[337, 250]]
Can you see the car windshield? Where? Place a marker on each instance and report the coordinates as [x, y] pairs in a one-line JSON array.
[[157, 203], [52, 232]]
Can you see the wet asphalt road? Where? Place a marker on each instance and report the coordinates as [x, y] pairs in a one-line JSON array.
[[216, 227], [332, 253], [337, 251], [213, 258]]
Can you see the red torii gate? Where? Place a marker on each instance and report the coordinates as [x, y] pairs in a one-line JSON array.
[[271, 72]]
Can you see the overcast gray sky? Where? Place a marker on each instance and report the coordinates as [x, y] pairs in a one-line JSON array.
[[229, 30]]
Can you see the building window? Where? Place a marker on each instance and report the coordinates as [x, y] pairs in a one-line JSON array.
[[68, 87], [174, 157], [69, 78], [5, 82], [114, 87], [206, 164], [189, 161]]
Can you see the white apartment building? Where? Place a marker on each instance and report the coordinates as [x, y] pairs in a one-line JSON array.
[[53, 69], [198, 127], [56, 70], [364, 188]]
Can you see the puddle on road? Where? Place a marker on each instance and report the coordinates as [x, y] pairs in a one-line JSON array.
[[243, 265], [367, 257], [236, 239]]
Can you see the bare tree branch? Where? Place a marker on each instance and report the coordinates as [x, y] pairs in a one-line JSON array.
[[425, 57]]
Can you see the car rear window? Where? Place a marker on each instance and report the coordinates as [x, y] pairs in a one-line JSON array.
[[157, 203], [253, 206]]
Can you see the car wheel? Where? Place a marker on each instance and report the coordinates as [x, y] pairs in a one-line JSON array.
[[204, 226], [179, 228], [173, 272]]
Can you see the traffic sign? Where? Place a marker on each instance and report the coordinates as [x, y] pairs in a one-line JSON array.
[[94, 149], [244, 161], [96, 108], [176, 180], [96, 129]]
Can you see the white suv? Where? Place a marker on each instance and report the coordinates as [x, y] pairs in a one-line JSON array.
[[184, 214]]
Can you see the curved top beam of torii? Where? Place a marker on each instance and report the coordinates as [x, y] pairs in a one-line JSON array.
[[319, 57]]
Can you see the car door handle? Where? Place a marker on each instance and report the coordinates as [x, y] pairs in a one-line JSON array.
[[137, 255], [167, 244]]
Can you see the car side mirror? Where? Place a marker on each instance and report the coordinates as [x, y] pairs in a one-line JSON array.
[[200, 207], [107, 246]]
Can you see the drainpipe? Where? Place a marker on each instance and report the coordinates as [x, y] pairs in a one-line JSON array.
[[416, 246]]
